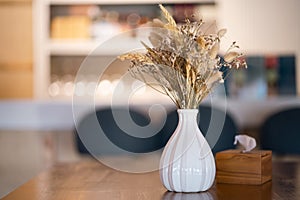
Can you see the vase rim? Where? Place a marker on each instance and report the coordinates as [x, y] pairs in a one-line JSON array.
[[187, 110]]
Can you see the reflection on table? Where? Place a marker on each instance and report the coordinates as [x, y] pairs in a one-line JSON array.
[[92, 180]]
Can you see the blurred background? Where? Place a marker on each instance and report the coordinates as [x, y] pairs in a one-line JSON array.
[[44, 42]]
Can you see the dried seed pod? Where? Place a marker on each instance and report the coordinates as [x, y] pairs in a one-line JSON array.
[[231, 56], [137, 57], [221, 32]]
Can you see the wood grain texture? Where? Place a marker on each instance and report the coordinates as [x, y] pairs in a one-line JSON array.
[[91, 180], [244, 168]]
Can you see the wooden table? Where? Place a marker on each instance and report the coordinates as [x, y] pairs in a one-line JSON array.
[[91, 180]]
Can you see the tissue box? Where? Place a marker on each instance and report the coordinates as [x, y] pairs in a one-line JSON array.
[[253, 168]]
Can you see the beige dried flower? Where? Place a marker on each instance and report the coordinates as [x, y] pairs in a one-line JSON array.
[[183, 61], [221, 32], [231, 56]]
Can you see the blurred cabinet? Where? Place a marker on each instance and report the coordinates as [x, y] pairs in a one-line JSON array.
[[66, 31], [16, 55]]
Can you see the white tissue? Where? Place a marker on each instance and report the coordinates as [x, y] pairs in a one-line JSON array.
[[247, 142]]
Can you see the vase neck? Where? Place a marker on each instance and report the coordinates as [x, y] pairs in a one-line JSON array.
[[188, 114]]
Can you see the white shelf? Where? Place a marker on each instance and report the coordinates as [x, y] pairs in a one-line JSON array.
[[113, 47], [71, 47], [123, 2]]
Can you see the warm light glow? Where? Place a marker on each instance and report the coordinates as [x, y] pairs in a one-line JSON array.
[[91, 88], [69, 88], [104, 88], [54, 89], [80, 88]]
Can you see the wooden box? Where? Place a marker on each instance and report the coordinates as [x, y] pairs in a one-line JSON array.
[[244, 192], [253, 168]]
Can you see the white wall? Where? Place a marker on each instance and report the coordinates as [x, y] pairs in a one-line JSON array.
[[263, 26]]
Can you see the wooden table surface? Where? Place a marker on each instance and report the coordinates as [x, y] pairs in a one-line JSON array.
[[91, 180]]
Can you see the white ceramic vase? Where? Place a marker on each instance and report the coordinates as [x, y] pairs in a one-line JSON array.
[[187, 163]]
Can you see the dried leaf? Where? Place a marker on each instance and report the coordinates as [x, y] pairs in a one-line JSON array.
[[214, 50], [157, 23], [155, 39]]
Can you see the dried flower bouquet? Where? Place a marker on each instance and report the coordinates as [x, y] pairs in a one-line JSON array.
[[183, 61]]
